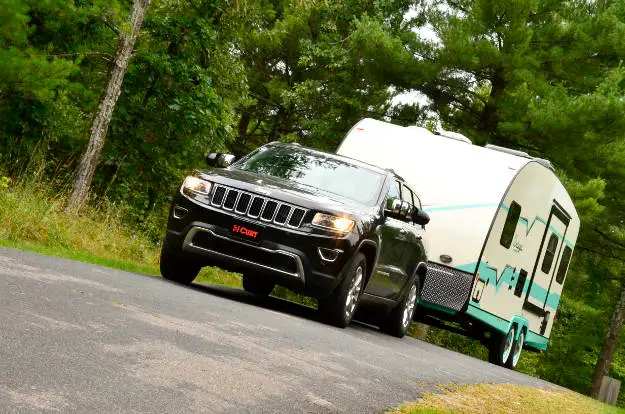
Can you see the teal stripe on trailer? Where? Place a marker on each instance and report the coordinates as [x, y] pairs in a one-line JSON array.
[[529, 227], [508, 278], [536, 341], [459, 207], [437, 307], [531, 339]]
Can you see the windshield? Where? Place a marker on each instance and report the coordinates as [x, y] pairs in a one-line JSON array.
[[318, 170]]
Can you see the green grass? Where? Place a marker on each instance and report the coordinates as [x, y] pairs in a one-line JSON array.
[[81, 256], [503, 398], [32, 218]]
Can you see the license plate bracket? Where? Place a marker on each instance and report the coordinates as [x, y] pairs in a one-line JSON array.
[[247, 231]]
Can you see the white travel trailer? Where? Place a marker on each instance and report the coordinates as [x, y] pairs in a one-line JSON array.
[[502, 232]]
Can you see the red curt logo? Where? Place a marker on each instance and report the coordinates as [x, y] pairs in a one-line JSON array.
[[246, 232]]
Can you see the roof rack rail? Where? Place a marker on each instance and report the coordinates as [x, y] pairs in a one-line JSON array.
[[508, 150], [544, 162], [453, 135]]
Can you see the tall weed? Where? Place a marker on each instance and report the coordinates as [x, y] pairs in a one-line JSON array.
[[31, 211]]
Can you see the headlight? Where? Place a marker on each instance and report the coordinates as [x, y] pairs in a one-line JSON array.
[[196, 188], [333, 222]]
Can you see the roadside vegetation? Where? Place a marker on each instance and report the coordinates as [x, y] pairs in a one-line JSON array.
[[32, 218], [503, 398], [540, 76]]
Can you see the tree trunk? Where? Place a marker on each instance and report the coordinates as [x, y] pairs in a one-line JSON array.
[[108, 100], [608, 346]]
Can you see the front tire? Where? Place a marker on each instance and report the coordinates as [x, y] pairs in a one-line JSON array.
[[339, 308], [257, 285], [400, 318], [177, 270]]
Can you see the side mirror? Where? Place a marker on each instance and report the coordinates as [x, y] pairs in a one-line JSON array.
[[420, 217], [398, 209], [219, 160], [395, 207], [404, 210]]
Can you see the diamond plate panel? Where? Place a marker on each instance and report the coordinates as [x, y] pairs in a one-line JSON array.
[[446, 287]]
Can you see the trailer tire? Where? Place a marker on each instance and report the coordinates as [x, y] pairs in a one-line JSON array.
[[513, 360], [500, 347]]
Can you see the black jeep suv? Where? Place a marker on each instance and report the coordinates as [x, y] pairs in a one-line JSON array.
[[327, 226]]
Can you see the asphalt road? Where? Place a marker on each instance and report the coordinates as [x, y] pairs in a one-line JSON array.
[[83, 338]]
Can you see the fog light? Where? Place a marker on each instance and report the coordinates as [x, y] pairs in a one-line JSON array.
[[329, 255], [180, 212]]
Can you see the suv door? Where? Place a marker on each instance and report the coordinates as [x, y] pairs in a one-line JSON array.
[[409, 195], [416, 253], [397, 240]]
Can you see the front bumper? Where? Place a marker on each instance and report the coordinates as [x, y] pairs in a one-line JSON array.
[[287, 256], [207, 246]]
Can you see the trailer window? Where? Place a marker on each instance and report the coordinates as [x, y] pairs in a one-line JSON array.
[[509, 226], [550, 253], [564, 264]]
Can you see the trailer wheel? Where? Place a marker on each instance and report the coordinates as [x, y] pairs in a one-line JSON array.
[[501, 347], [516, 351]]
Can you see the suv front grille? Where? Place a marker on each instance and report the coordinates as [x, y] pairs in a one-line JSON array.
[[256, 206]]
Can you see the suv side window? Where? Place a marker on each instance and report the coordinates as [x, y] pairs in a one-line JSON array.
[[406, 194], [411, 196], [393, 193], [417, 200]]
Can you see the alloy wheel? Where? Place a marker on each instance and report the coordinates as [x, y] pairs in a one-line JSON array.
[[508, 346], [517, 349], [353, 293], [409, 306]]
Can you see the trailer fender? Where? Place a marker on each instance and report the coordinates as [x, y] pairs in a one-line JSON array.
[[520, 323]]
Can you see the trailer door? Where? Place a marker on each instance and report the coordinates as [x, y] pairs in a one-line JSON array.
[[537, 297]]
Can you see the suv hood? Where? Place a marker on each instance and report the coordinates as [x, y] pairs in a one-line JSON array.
[[273, 187]]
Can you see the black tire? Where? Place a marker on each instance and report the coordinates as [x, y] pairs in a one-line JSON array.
[[257, 286], [498, 353], [177, 270], [515, 354], [336, 309], [399, 319]]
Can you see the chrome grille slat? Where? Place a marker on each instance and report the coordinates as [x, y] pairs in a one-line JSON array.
[[260, 209], [232, 199], [289, 217], [242, 196], [284, 210], [296, 217], [226, 203], [273, 213], [218, 196]]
